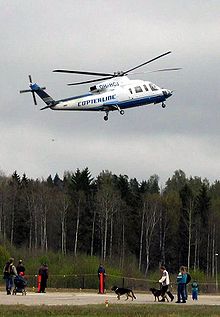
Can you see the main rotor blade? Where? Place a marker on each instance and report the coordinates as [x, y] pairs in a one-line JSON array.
[[165, 70], [151, 60], [88, 81], [155, 71], [80, 72]]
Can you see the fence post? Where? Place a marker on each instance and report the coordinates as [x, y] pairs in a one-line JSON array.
[[123, 282], [83, 282]]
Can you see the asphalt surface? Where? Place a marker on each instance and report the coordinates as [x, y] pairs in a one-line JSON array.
[[87, 298]]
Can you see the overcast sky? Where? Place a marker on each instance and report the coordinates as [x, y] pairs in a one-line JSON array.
[[99, 35]]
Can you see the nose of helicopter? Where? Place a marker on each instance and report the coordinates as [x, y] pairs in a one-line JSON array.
[[167, 93]]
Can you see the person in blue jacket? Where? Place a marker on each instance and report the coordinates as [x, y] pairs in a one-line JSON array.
[[195, 290], [181, 285]]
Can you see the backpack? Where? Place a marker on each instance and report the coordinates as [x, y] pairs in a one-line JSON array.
[[188, 278]]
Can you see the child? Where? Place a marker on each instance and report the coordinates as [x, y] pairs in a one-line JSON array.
[[195, 289]]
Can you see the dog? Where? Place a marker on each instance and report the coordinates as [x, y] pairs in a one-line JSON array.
[[157, 293], [123, 291]]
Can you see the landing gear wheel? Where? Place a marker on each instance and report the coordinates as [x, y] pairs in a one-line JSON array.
[[122, 112], [106, 118], [163, 105]]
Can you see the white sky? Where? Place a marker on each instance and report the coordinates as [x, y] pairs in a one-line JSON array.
[[39, 36]]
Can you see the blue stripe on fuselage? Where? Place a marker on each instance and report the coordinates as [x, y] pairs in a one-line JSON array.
[[135, 102], [121, 104]]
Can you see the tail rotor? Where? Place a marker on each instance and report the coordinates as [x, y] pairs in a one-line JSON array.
[[31, 90]]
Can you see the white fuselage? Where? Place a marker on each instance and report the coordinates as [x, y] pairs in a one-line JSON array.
[[117, 92]]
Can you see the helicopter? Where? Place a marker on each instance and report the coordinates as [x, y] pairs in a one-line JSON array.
[[115, 91]]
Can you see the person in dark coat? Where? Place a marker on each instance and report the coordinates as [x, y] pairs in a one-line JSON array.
[[9, 274], [101, 270], [43, 272], [20, 268]]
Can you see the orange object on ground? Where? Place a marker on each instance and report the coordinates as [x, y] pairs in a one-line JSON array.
[[38, 283], [101, 283]]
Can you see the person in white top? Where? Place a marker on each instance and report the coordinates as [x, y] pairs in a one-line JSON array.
[[165, 282]]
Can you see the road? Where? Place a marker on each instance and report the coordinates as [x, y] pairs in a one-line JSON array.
[[87, 298]]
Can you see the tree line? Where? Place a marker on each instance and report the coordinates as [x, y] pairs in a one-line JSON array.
[[112, 217]]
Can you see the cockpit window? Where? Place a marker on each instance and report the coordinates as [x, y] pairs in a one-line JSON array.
[[130, 90], [138, 89], [153, 87], [145, 87]]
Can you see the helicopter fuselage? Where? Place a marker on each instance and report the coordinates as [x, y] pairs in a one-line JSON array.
[[115, 94]]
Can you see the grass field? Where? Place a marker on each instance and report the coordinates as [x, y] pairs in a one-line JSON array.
[[114, 311]]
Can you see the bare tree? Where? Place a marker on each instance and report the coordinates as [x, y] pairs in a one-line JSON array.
[[79, 202], [63, 204], [151, 205], [141, 237], [3, 205], [107, 201]]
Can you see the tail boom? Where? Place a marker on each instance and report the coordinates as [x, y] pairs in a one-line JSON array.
[[42, 94]]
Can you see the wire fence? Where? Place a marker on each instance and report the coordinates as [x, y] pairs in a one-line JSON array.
[[90, 281]]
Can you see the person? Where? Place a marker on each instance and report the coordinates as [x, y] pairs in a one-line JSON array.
[[195, 290], [101, 272], [9, 274], [165, 282], [188, 279], [43, 273], [181, 287], [20, 268]]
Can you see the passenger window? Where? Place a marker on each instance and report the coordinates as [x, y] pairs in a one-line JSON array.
[[153, 87], [130, 90], [138, 89], [145, 87]]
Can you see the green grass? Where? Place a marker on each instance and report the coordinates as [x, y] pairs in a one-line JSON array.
[[111, 311]]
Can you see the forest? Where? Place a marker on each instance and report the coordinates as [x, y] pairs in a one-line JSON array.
[[113, 217]]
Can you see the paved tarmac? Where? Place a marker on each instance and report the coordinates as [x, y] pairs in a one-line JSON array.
[[87, 298]]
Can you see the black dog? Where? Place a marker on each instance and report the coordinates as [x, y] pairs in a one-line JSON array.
[[157, 293], [123, 291]]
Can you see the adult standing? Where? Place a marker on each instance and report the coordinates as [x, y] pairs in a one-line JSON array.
[[20, 268], [181, 287], [165, 282], [43, 274], [9, 274], [188, 279], [101, 276]]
